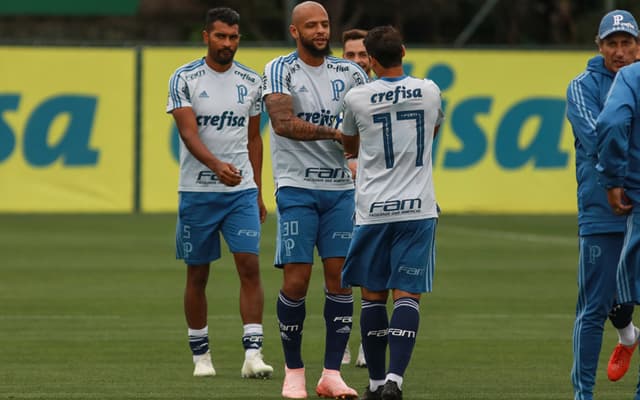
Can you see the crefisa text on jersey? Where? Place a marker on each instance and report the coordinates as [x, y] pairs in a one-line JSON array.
[[322, 118], [245, 75], [400, 92], [339, 68], [225, 119]]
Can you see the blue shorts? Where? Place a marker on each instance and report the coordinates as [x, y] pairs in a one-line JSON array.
[[308, 218], [397, 255], [203, 215]]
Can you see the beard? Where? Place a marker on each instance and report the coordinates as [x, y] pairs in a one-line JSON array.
[[313, 50], [223, 56]]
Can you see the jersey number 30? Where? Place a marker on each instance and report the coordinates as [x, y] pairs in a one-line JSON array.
[[387, 133]]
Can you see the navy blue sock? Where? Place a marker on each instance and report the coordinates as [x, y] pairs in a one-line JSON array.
[[403, 329], [338, 318], [291, 314], [252, 337], [199, 340], [373, 327]]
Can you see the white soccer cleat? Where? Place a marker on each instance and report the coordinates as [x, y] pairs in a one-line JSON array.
[[254, 367], [346, 357], [361, 361], [203, 365]]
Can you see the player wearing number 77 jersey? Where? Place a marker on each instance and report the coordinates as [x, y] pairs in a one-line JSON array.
[[390, 124]]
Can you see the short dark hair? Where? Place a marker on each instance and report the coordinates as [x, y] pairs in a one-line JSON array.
[[353, 34], [384, 43], [225, 14]]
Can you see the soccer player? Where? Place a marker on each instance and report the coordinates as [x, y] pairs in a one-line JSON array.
[[353, 49], [390, 124], [303, 93], [601, 231], [216, 103]]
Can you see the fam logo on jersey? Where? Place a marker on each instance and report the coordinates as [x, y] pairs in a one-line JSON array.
[[242, 93], [395, 207], [227, 118], [399, 92], [325, 174], [208, 177], [190, 77]]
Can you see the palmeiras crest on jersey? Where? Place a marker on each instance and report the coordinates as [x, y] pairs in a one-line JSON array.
[[338, 86], [242, 93]]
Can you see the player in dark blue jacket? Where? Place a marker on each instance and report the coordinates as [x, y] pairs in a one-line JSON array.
[[619, 165], [601, 231]]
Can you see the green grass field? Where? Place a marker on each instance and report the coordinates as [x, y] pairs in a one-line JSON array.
[[91, 308]]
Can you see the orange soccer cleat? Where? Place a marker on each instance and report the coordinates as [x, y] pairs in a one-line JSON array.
[[332, 386], [619, 361], [294, 384]]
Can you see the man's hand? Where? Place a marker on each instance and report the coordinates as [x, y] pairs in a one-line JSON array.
[[262, 209], [618, 200], [227, 173]]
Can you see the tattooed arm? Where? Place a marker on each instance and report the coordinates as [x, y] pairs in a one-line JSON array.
[[280, 109]]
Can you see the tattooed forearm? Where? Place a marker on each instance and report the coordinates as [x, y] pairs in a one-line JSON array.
[[303, 130], [280, 108]]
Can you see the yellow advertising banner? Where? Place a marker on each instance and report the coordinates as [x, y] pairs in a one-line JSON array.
[[66, 129], [505, 145]]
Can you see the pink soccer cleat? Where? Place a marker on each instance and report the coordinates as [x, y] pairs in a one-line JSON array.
[[294, 386], [331, 386]]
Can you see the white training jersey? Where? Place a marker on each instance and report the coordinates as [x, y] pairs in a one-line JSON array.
[[395, 119], [318, 95], [222, 103]]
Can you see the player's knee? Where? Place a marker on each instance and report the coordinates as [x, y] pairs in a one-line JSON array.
[[249, 273], [197, 276], [295, 288], [334, 286]]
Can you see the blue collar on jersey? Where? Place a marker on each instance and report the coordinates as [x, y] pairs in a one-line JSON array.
[[397, 78]]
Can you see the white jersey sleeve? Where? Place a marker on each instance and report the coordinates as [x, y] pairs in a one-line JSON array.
[[395, 119], [179, 90], [317, 94], [223, 102]]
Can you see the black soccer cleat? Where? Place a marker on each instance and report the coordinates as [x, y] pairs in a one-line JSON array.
[[375, 395], [390, 391]]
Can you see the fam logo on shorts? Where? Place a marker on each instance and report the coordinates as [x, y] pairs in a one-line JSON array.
[[413, 271]]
